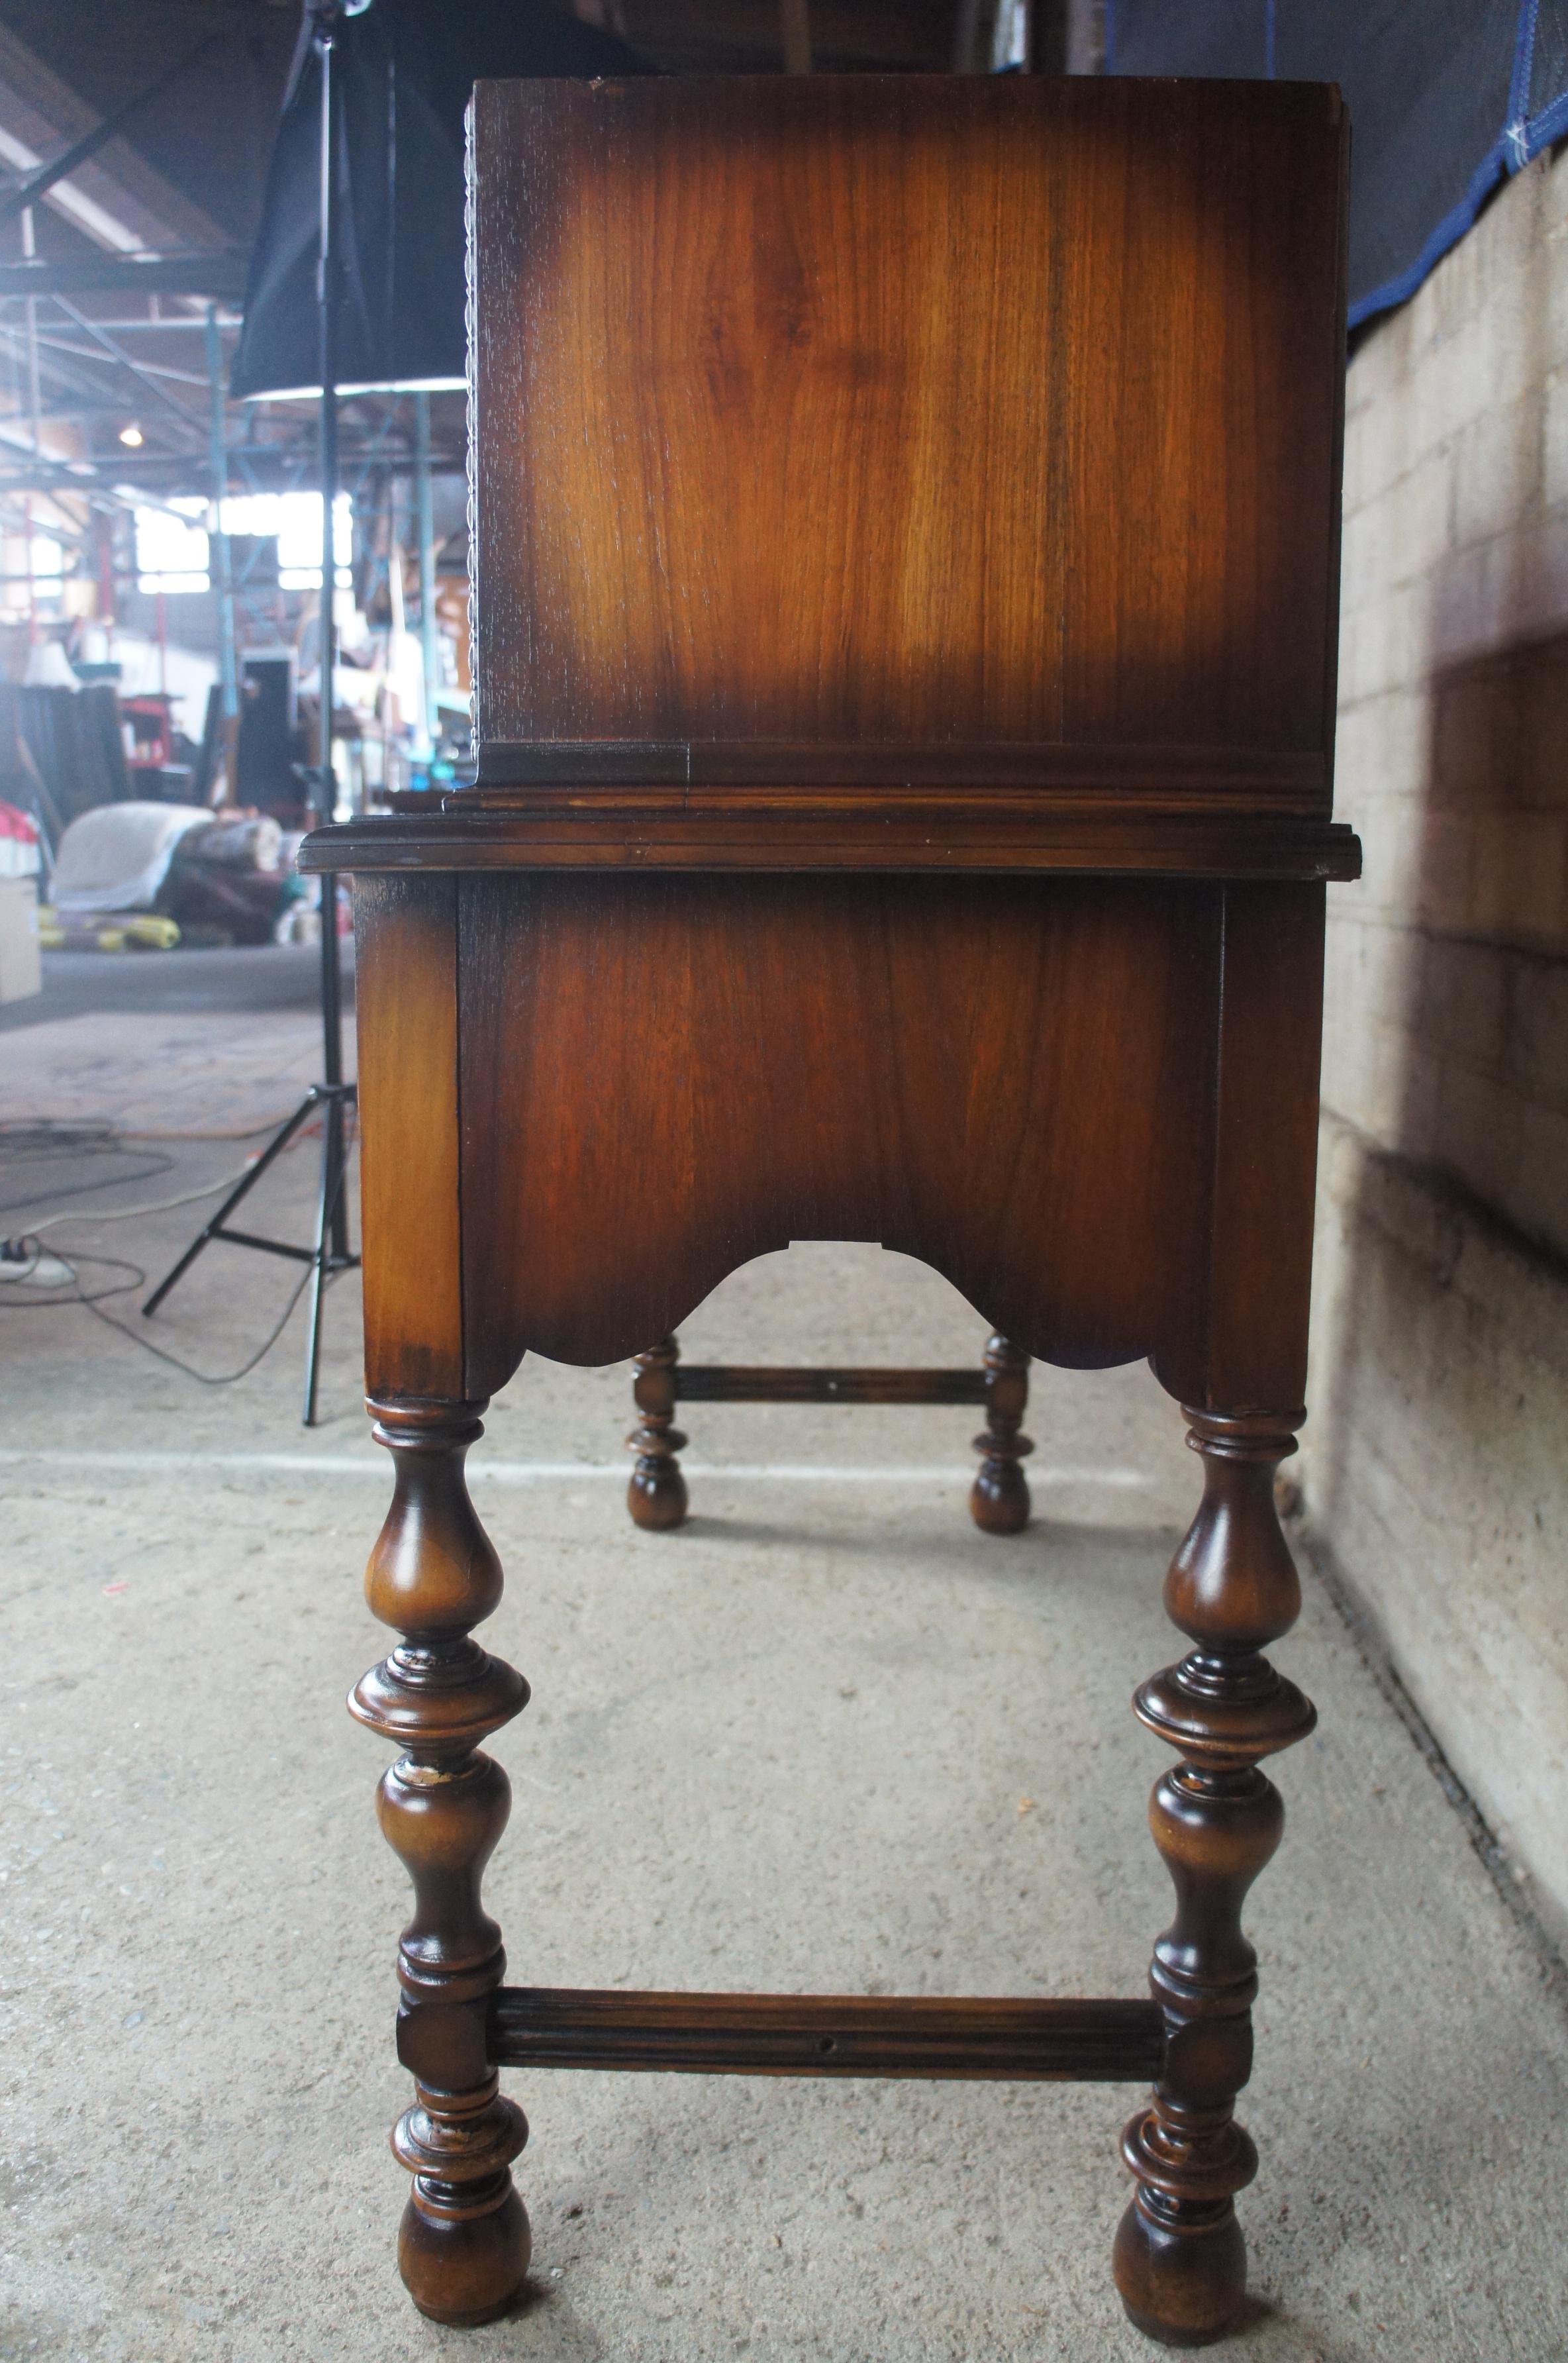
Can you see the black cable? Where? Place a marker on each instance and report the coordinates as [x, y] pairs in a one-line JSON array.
[[43, 1140], [58, 1302], [12, 1301], [93, 1135], [30, 1135], [206, 1378], [86, 1189]]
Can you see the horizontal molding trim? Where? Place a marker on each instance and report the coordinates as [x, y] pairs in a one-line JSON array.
[[1277, 776]]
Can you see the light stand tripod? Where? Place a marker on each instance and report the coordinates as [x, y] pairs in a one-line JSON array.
[[330, 1252]]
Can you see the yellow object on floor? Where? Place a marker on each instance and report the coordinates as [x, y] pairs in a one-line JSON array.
[[106, 931]]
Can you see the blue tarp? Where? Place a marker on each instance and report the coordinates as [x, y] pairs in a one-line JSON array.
[[1445, 96]]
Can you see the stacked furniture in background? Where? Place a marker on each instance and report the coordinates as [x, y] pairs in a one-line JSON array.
[[67, 741]]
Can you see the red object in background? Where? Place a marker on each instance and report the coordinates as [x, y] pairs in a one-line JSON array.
[[151, 732], [18, 843]]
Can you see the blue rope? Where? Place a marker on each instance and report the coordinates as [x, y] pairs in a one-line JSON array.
[[1516, 131]]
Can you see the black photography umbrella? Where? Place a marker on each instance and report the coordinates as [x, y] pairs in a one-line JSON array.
[[357, 282], [401, 72]]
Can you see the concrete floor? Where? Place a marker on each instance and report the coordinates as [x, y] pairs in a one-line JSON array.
[[249, 978], [826, 1738]]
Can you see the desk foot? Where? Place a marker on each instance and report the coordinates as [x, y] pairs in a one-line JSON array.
[[998, 1499], [657, 1494], [1194, 2272], [463, 2247], [434, 2272], [1180, 2262], [464, 2244]]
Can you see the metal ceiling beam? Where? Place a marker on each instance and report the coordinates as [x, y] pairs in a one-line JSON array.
[[147, 369], [117, 353], [34, 186], [155, 327], [91, 388], [263, 463], [220, 273]]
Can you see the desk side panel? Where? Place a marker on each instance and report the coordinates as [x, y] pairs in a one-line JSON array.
[[406, 1003], [664, 1077]]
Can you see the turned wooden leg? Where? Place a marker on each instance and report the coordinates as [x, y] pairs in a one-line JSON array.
[[998, 1499], [1180, 2262], [657, 1494], [464, 2244]]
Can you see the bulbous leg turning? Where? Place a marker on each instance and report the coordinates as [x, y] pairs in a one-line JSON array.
[[655, 1496], [1179, 2260], [1181, 2268], [463, 2262], [998, 1499], [464, 2243]]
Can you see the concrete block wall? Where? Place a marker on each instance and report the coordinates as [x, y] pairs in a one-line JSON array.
[[1435, 1461]]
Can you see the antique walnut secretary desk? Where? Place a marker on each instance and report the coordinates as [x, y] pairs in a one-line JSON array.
[[905, 544]]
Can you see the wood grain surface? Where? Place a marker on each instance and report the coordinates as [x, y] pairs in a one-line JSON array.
[[828, 2034], [907, 411], [906, 540], [664, 1077], [1116, 836], [406, 1018]]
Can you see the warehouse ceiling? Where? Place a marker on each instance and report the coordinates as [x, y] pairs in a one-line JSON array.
[[209, 135], [139, 252]]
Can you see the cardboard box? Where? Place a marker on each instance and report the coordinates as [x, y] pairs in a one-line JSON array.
[[21, 970]]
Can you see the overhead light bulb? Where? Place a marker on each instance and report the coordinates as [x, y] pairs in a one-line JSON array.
[[131, 435]]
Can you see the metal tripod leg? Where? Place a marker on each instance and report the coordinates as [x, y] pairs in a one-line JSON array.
[[331, 1253], [274, 1149]]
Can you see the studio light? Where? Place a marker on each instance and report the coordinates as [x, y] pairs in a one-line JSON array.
[[357, 281]]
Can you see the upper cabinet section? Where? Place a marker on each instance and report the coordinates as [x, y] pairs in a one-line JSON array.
[[882, 429]]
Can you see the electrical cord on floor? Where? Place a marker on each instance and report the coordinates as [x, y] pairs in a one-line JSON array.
[[13, 1254], [42, 1141], [27, 1252], [208, 1378], [137, 1279], [120, 1214], [128, 1214]]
